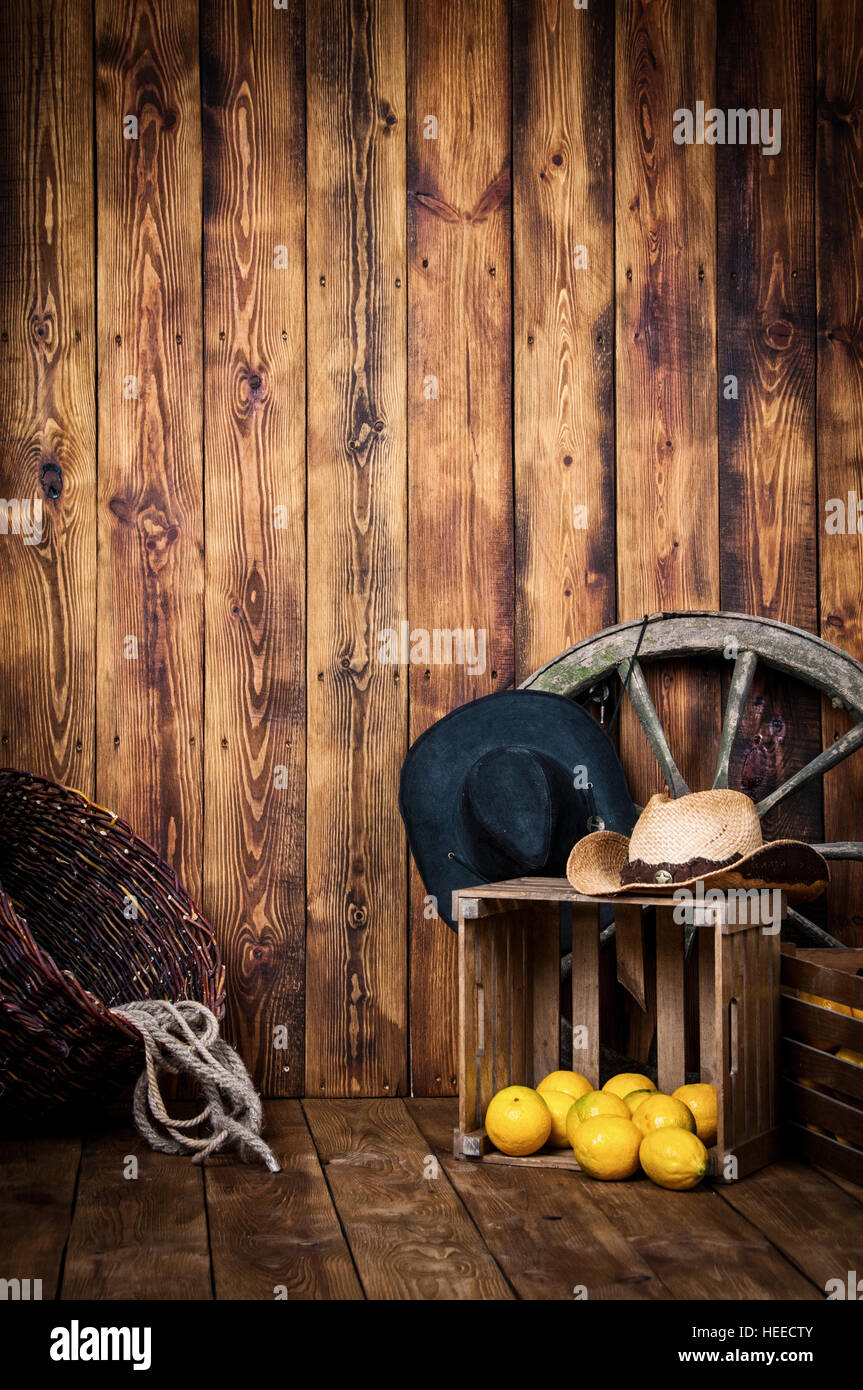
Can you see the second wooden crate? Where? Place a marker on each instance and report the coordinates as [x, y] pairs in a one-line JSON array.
[[822, 1093]]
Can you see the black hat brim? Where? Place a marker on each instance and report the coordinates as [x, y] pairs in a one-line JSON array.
[[437, 763]]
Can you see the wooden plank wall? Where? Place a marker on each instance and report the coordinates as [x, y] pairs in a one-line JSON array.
[[382, 313]]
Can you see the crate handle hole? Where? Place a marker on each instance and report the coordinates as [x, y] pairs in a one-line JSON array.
[[480, 1021]]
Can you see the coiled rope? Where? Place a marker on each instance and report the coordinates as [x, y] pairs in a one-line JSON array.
[[183, 1039]]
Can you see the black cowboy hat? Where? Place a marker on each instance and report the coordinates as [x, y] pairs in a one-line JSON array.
[[503, 787]]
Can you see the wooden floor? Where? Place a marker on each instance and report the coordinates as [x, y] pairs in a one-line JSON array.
[[370, 1204]]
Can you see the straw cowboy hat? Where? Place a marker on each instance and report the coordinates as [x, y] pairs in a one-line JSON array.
[[503, 786], [711, 837]]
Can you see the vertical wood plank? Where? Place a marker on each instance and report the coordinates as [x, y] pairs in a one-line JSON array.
[[749, 1033], [149, 660], [544, 984], [707, 1039], [47, 395], [766, 341], [357, 720], [670, 1037], [501, 926], [667, 482], [839, 265], [468, 1090], [725, 1080], [254, 378], [629, 950], [738, 1032], [641, 1023], [459, 347], [519, 997], [563, 281], [485, 1012], [585, 989]]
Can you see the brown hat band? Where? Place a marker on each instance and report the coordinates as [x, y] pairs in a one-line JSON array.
[[639, 871]]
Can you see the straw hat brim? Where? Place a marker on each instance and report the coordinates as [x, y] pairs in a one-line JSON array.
[[595, 862]]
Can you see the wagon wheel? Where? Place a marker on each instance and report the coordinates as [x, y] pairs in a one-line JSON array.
[[796, 653]]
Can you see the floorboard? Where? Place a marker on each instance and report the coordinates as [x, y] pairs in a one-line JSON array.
[[410, 1235], [854, 1189], [810, 1219], [371, 1203], [37, 1193], [543, 1228], [277, 1234], [696, 1247], [141, 1237]]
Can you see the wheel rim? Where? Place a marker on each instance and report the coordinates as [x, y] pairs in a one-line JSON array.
[[748, 641]]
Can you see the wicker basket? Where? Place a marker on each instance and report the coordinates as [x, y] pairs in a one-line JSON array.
[[90, 918]]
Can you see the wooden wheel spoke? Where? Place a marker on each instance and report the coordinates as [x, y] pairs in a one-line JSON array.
[[738, 693], [815, 933], [645, 711], [836, 753], [841, 849]]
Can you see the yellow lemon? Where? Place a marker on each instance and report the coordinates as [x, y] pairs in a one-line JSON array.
[[517, 1121], [673, 1157], [634, 1099], [606, 1146], [702, 1101], [659, 1111], [572, 1083], [627, 1081], [847, 1054], [560, 1104], [594, 1103]]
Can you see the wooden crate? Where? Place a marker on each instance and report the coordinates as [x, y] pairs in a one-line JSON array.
[[832, 1096], [509, 1009]]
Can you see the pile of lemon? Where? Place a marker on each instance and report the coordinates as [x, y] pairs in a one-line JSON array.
[[613, 1132], [845, 1054]]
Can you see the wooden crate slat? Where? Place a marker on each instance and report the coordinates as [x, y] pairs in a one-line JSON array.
[[519, 1025], [629, 946], [467, 1023], [767, 1044], [670, 1012], [738, 1034], [820, 1148], [707, 1035], [843, 986], [545, 966], [812, 1022], [485, 1016], [838, 1116], [814, 1064], [585, 989], [749, 1029]]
